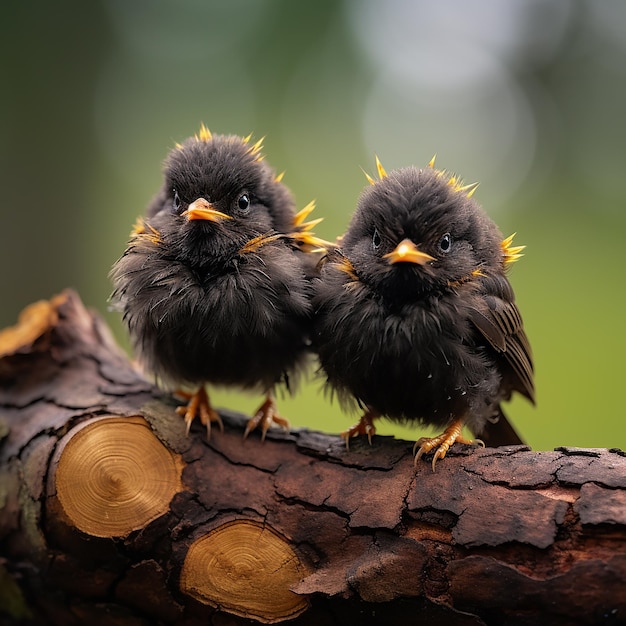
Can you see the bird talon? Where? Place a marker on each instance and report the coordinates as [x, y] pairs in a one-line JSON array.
[[188, 419], [345, 435], [440, 454], [442, 442], [199, 406], [426, 444], [365, 426], [265, 417], [418, 456]]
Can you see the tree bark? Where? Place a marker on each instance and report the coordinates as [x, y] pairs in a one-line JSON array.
[[112, 514]]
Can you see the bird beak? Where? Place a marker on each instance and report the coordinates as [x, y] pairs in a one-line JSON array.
[[407, 252], [202, 209]]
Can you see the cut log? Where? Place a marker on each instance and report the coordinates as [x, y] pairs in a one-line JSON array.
[[112, 514]]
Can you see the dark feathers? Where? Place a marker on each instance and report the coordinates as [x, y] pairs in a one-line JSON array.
[[414, 316], [211, 286]]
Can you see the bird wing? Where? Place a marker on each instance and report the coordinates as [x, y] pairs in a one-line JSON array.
[[499, 321]]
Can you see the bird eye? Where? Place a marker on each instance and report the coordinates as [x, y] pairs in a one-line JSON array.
[[243, 204], [376, 240], [445, 243], [177, 201]]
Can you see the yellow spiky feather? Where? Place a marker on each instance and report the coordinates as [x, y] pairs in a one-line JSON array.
[[510, 252], [256, 242], [347, 268], [204, 134], [381, 172], [139, 227], [468, 190], [153, 236], [303, 213], [454, 181], [142, 229], [279, 177], [303, 231], [370, 180], [255, 148]]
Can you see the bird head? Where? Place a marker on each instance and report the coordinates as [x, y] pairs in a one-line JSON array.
[[218, 187], [417, 231]]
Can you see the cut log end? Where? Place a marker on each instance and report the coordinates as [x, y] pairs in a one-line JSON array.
[[100, 522], [245, 568], [114, 476]]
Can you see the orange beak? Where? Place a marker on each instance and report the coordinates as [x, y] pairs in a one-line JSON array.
[[407, 252], [202, 209]]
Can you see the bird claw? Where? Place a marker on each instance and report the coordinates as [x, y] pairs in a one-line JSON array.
[[442, 442], [265, 417], [365, 426], [198, 405]]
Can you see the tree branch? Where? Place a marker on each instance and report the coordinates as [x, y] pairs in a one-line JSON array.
[[111, 513]]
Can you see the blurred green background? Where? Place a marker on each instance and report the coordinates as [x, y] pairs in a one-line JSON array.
[[529, 98]]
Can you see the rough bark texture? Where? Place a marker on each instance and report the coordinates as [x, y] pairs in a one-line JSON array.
[[494, 536]]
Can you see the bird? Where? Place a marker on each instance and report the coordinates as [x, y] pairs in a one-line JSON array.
[[415, 319], [214, 285]]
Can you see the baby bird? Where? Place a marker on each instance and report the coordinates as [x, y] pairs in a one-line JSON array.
[[415, 318], [215, 283]]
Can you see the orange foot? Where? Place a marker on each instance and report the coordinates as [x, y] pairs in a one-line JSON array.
[[198, 405], [449, 436], [266, 416], [365, 426]]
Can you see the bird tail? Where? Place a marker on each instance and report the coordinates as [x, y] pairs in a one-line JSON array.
[[500, 432]]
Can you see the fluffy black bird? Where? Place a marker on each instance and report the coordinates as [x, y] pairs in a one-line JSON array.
[[415, 317], [215, 283]]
